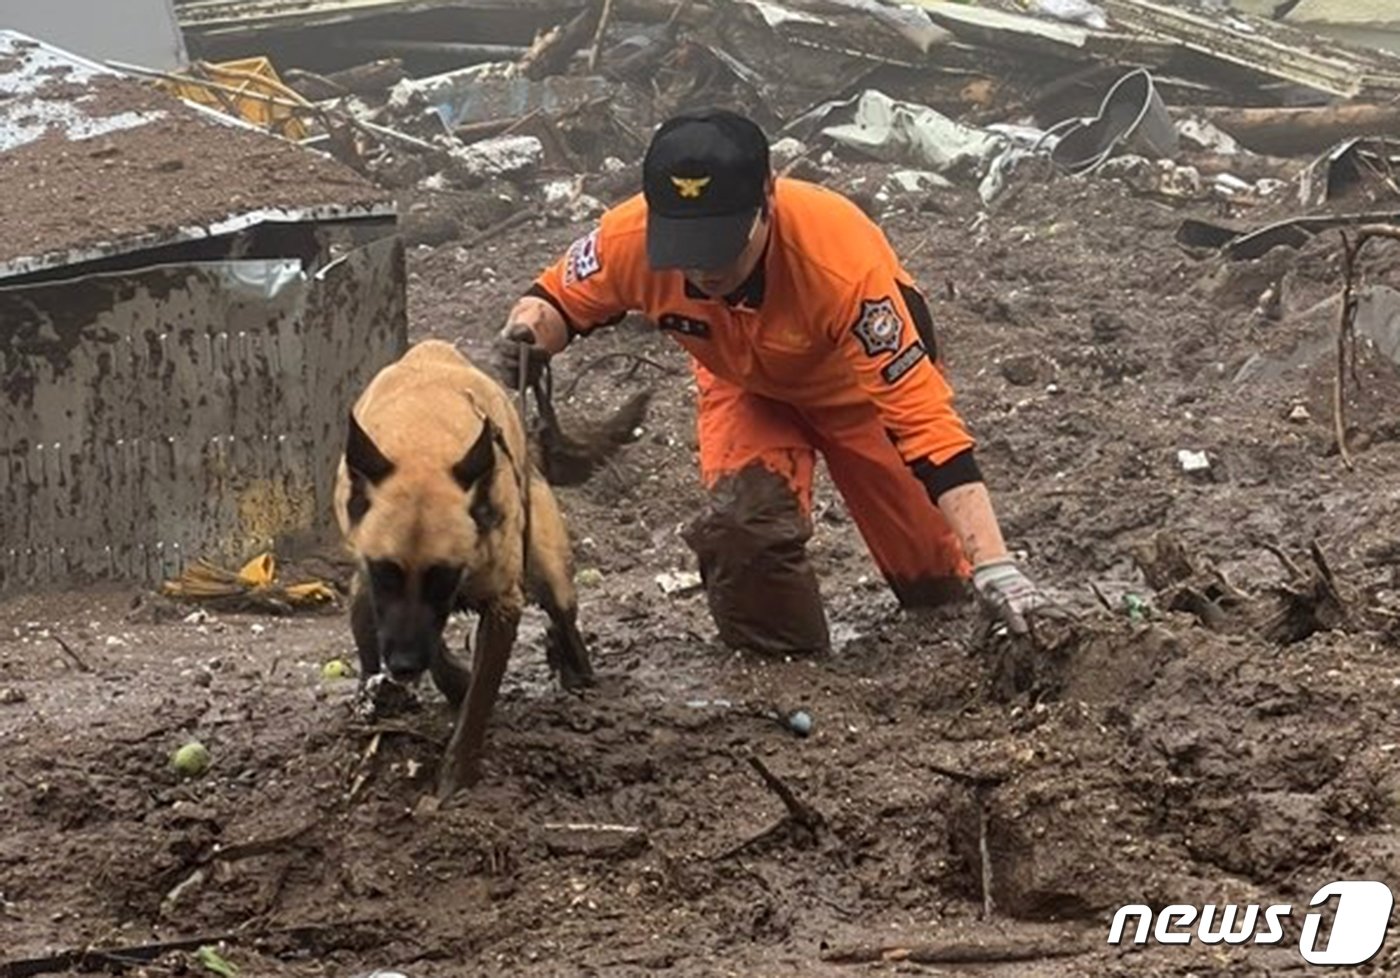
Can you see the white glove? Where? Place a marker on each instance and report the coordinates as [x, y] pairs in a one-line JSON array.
[[1007, 593]]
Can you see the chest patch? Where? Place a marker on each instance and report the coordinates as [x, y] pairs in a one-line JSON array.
[[676, 323], [879, 326]]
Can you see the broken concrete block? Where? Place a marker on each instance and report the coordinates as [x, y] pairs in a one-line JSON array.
[[503, 156]]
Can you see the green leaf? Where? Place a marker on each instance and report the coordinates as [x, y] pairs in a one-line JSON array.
[[210, 958]]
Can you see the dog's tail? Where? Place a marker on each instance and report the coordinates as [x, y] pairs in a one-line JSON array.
[[570, 458]]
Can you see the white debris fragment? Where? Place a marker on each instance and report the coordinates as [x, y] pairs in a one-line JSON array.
[[785, 150], [1300, 414], [559, 191], [678, 582], [198, 617], [916, 181], [585, 207], [1072, 12], [1192, 461], [500, 157]]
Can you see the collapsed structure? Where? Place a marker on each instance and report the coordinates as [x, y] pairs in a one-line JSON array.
[[186, 307]]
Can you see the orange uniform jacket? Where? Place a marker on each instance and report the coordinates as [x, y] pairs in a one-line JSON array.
[[829, 318]]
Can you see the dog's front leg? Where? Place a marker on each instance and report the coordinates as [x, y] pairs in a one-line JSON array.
[[365, 629], [495, 634]]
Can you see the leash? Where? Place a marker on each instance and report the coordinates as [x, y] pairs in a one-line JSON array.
[[522, 378]]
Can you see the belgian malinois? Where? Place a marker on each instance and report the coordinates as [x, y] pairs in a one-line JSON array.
[[431, 497]]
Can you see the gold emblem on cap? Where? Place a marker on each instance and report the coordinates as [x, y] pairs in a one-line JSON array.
[[690, 187]]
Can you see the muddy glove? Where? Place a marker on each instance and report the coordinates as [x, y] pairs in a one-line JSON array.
[[507, 355], [1007, 594]]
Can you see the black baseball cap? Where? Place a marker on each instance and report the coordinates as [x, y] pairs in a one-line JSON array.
[[704, 178]]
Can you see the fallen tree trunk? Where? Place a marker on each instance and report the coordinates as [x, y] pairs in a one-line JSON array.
[[1302, 132]]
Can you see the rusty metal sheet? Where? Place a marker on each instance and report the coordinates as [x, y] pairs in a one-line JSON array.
[[153, 416]]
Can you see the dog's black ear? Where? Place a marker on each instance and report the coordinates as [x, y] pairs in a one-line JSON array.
[[363, 457], [479, 460]]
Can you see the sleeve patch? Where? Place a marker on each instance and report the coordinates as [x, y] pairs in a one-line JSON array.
[[584, 259], [879, 327], [907, 360]]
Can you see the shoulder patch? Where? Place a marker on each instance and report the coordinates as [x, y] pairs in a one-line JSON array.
[[907, 360], [879, 327], [584, 259]]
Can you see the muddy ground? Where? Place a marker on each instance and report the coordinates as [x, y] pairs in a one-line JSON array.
[[1201, 737]]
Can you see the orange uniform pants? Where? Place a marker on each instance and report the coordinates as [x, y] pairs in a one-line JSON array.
[[757, 458]]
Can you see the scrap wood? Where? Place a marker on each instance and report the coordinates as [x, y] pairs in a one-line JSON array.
[[1346, 325], [95, 958], [950, 953], [1301, 131], [550, 53], [68, 651], [800, 816], [603, 20]]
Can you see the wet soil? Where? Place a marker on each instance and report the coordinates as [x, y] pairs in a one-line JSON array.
[[154, 166], [1159, 753]]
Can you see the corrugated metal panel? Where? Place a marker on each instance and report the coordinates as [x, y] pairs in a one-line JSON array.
[[151, 417]]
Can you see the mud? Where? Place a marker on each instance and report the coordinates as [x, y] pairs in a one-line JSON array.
[[1142, 755]]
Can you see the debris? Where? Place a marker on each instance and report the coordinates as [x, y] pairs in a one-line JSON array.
[[1264, 47], [1132, 118], [900, 132], [1192, 461], [379, 697], [249, 89], [801, 823], [951, 953], [678, 582], [1370, 164], [11, 695], [503, 156], [1294, 131], [1071, 12], [1300, 414], [597, 841], [252, 587], [72, 656]]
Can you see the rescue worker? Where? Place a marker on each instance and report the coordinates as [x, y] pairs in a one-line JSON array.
[[806, 336]]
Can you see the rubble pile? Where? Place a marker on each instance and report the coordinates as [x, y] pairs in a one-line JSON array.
[[546, 106]]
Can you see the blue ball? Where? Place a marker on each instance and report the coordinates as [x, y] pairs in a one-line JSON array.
[[800, 723]]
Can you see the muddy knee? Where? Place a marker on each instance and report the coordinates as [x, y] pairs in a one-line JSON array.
[[752, 545]]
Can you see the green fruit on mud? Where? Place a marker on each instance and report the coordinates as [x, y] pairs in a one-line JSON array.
[[336, 669], [191, 760], [588, 577]]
